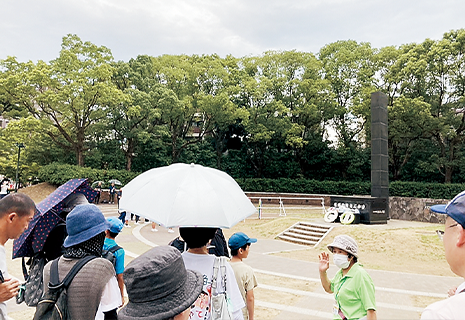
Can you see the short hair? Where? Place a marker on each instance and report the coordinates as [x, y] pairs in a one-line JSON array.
[[236, 251], [354, 257], [19, 203], [196, 237], [112, 234]]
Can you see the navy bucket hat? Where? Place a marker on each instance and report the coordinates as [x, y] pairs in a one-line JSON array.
[[454, 209], [84, 222]]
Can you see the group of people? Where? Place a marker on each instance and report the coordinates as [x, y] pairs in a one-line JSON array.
[[113, 192], [168, 282]]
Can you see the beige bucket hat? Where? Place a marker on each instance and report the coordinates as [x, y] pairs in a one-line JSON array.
[[346, 243]]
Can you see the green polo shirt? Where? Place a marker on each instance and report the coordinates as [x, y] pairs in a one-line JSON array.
[[355, 292]]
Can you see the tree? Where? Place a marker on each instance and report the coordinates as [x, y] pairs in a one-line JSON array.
[[349, 68], [71, 93]]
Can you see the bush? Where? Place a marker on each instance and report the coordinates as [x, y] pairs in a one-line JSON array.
[[396, 189], [58, 174]]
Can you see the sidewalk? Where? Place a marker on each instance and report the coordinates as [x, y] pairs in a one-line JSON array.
[[399, 295]]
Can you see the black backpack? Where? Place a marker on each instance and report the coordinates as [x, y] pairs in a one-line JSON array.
[[33, 289], [109, 254], [54, 304]]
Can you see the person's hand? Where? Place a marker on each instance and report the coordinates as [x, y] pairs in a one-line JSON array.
[[452, 291], [8, 289], [123, 299], [324, 262]]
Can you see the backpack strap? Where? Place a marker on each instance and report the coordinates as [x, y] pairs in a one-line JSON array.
[[54, 278], [114, 249], [220, 262], [25, 273]]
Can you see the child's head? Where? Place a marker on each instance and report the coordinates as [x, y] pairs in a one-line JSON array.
[[239, 241], [115, 226], [196, 237]]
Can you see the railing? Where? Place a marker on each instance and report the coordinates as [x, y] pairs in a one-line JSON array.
[[282, 209]]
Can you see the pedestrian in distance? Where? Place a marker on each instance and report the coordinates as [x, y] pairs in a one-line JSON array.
[[353, 288], [98, 188], [453, 238], [239, 243], [159, 286], [112, 192], [16, 211], [92, 287], [197, 258]]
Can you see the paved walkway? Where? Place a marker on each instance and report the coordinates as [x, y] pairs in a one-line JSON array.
[[399, 295]]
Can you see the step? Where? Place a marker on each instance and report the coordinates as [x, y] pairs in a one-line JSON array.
[[315, 227], [305, 233], [296, 229], [295, 240], [289, 233], [310, 229]]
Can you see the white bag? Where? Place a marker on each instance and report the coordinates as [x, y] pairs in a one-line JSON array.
[[219, 308]]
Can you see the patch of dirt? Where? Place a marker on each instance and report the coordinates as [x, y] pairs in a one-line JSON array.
[[413, 250], [39, 191]]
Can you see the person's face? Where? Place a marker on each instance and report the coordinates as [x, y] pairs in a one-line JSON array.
[[450, 239], [245, 252], [339, 251], [19, 224]]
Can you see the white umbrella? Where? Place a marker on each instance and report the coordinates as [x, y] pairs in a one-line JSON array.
[[187, 196]]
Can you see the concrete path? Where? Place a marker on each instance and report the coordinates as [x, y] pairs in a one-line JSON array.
[[399, 295]]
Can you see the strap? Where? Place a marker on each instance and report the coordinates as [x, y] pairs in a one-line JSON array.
[[25, 273], [220, 262], [54, 279], [114, 249], [215, 275]]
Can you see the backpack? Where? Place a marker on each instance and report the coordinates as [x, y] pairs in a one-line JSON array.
[[54, 304], [34, 285], [109, 254]]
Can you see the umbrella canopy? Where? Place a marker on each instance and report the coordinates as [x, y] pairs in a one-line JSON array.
[[115, 181], [183, 195], [47, 216], [95, 183]]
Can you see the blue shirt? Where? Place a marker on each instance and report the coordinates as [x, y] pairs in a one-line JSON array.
[[119, 255]]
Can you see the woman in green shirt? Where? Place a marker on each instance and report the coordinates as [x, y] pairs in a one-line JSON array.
[[353, 288]]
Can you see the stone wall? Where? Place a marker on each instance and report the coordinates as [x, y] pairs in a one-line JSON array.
[[415, 209]]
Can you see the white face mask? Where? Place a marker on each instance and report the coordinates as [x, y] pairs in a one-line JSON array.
[[341, 260]]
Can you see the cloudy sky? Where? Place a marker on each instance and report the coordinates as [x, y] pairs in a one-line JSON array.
[[33, 29]]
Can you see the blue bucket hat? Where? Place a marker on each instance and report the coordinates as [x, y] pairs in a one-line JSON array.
[[84, 222], [115, 224], [239, 239], [454, 209]]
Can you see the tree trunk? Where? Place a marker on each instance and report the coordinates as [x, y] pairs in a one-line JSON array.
[[448, 174]]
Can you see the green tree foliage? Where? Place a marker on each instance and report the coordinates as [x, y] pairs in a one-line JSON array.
[[71, 94], [286, 114]]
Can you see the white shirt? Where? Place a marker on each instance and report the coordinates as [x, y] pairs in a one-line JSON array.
[[111, 298], [6, 276], [203, 263], [450, 308]]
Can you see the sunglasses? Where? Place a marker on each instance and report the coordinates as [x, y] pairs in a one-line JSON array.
[[440, 233]]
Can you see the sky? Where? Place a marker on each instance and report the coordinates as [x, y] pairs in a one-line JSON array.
[[33, 29]]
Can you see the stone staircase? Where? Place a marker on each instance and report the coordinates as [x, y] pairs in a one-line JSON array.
[[307, 233]]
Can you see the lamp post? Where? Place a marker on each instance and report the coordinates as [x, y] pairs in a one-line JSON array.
[[19, 145]]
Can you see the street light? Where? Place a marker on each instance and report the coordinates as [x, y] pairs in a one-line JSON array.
[[19, 145]]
